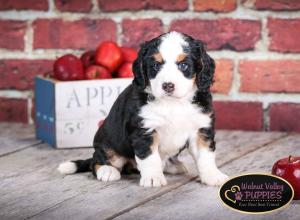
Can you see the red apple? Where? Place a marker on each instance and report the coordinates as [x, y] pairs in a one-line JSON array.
[[97, 72], [289, 169], [128, 54], [68, 67], [88, 58], [125, 71], [109, 55]]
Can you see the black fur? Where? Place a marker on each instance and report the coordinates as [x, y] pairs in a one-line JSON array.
[[83, 165], [122, 129], [209, 136], [204, 100], [204, 65], [142, 65]]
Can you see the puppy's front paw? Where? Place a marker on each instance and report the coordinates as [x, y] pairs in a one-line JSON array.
[[156, 180], [213, 178], [108, 173]]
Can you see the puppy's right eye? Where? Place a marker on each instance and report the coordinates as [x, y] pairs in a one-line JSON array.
[[183, 66], [156, 66]]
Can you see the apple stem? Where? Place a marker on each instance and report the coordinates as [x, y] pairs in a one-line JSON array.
[[290, 159]]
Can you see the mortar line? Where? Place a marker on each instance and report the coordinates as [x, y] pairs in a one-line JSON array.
[[266, 118], [37, 54], [28, 38], [190, 5], [238, 13], [95, 7], [119, 33]]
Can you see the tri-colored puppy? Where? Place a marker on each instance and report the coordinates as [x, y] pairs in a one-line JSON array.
[[168, 107]]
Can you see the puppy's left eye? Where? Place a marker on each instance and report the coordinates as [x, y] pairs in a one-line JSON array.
[[183, 66], [156, 66]]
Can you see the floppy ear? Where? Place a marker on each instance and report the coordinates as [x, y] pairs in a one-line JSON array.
[[206, 68], [138, 68]]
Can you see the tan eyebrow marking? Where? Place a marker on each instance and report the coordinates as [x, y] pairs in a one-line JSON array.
[[158, 57], [180, 57]]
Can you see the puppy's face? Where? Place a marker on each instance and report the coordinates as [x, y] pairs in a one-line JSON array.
[[170, 69], [171, 66]]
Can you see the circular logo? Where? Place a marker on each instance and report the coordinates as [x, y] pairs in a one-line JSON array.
[[256, 193]]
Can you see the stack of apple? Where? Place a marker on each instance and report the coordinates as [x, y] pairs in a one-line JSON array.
[[108, 61]]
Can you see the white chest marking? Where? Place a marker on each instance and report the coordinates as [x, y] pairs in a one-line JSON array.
[[175, 121]]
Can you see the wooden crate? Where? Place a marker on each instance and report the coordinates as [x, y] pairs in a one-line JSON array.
[[67, 113]]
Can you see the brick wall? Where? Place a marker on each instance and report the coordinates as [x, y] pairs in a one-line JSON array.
[[254, 42]]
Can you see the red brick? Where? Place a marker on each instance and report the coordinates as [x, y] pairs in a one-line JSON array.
[[284, 35], [12, 34], [73, 5], [215, 5], [80, 34], [223, 76], [284, 117], [239, 115], [137, 31], [270, 75], [13, 110], [224, 33], [24, 5], [275, 5], [135, 5], [19, 74]]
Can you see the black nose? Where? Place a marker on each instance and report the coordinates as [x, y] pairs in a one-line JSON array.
[[168, 87]]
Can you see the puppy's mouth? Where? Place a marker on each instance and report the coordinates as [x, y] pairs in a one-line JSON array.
[[171, 95]]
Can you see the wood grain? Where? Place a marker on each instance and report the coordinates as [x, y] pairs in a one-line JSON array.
[[15, 137], [124, 195], [196, 201], [30, 182]]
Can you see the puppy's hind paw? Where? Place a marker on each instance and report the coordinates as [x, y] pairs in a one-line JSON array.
[[108, 173], [173, 166]]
